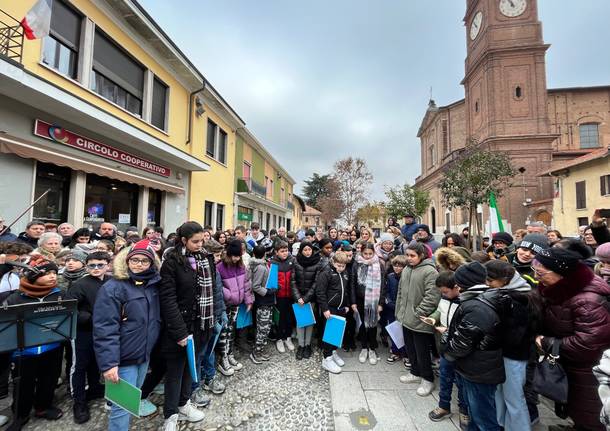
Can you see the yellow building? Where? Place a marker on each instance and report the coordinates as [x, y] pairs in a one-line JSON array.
[[299, 209], [582, 185], [98, 113]]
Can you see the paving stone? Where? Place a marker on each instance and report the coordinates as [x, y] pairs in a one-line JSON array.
[[346, 389], [389, 411]]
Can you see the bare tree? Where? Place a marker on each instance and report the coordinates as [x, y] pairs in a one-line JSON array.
[[353, 180], [331, 208]]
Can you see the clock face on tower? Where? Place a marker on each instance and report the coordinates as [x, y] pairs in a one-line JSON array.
[[512, 8], [475, 27]]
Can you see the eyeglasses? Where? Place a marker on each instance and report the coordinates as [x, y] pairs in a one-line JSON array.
[[96, 265], [538, 272], [143, 262]]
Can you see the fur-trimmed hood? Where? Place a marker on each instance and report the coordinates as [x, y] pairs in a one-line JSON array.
[[447, 258], [120, 268]]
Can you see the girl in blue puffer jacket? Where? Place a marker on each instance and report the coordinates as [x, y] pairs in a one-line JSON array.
[[127, 321]]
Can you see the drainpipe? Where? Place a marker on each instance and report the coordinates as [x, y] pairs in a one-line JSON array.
[[190, 113]]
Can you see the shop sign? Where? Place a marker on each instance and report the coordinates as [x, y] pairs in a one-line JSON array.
[[63, 136], [124, 218], [244, 216]]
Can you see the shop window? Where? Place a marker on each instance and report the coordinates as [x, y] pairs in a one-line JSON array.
[[274, 221], [268, 225], [208, 212], [220, 216], [260, 217], [589, 135], [153, 217], [53, 207], [288, 225], [159, 105], [581, 195], [60, 47], [113, 201], [116, 76]]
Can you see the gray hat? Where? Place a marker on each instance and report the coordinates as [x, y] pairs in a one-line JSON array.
[[534, 242], [77, 254]]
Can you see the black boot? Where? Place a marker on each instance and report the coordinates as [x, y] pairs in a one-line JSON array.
[[17, 424], [299, 354], [307, 352], [81, 413]]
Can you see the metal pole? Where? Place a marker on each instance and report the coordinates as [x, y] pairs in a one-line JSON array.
[[7, 227]]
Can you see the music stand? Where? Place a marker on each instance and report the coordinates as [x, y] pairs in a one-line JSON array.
[[35, 324]]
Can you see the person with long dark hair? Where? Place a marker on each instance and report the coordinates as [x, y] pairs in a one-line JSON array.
[[187, 308]]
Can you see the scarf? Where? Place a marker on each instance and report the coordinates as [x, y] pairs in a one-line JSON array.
[[381, 253], [36, 289], [141, 278], [205, 294], [369, 275], [74, 275], [306, 262]]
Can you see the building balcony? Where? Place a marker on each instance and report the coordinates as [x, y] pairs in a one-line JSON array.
[[11, 37], [248, 185]]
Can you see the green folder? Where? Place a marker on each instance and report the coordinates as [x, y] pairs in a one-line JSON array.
[[124, 395]]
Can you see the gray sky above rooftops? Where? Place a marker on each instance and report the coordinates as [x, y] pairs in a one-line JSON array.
[[319, 80]]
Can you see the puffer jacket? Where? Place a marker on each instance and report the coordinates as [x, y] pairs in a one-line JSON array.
[[473, 339], [288, 272], [308, 270], [575, 310], [259, 273], [85, 292], [526, 271], [332, 289], [178, 291], [417, 296], [408, 230], [236, 283], [24, 237], [126, 318]]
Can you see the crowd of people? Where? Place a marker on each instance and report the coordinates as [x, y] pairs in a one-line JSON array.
[[480, 319]]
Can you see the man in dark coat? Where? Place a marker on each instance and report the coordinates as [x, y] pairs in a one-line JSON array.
[[33, 231], [409, 227], [5, 234]]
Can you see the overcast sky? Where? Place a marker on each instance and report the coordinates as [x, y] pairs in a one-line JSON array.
[[319, 80]]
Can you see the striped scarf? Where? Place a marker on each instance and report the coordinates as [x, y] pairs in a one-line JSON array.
[[205, 296], [369, 275]]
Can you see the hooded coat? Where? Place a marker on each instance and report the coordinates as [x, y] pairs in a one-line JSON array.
[[575, 310], [417, 296], [448, 259], [236, 283], [126, 318], [309, 268], [259, 272]]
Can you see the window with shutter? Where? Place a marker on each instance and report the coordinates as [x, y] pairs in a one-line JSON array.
[[211, 139], [159, 102], [60, 47], [581, 195]]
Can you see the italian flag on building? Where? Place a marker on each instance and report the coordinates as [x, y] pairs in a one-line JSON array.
[[37, 21], [494, 215]]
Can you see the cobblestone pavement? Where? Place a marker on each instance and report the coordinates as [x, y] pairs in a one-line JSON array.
[[282, 394]]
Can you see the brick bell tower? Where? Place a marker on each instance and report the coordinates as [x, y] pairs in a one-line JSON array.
[[506, 97]]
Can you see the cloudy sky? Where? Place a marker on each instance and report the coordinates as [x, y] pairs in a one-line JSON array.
[[319, 80]]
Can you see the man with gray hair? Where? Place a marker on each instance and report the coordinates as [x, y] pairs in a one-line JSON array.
[[66, 230], [536, 227]]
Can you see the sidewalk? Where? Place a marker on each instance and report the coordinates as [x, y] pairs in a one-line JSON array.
[[367, 397]]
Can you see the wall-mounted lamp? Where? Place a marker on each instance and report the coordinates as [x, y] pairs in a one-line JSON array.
[[199, 109]]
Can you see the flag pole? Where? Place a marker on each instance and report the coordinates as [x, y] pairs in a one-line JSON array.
[[7, 227]]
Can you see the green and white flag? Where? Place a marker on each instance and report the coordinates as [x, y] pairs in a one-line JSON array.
[[494, 215]]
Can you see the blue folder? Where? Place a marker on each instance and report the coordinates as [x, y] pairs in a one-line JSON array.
[[272, 282], [334, 330], [244, 317], [190, 355], [304, 315]]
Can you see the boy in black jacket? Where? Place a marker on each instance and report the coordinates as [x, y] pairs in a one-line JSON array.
[[85, 369], [333, 297]]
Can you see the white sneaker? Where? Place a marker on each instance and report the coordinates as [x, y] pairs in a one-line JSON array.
[[3, 420], [171, 423], [337, 359], [279, 344], [289, 344], [425, 388], [364, 353], [190, 413], [409, 378], [235, 363], [373, 357], [331, 366]]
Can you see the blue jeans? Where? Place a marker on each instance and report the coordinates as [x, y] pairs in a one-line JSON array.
[[119, 419], [481, 406], [448, 376], [511, 406], [206, 360]]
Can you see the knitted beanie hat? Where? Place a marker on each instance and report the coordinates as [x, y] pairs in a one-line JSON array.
[[40, 266], [559, 260], [77, 254], [386, 237], [534, 242], [603, 252], [142, 247], [234, 248], [504, 237], [470, 274]]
